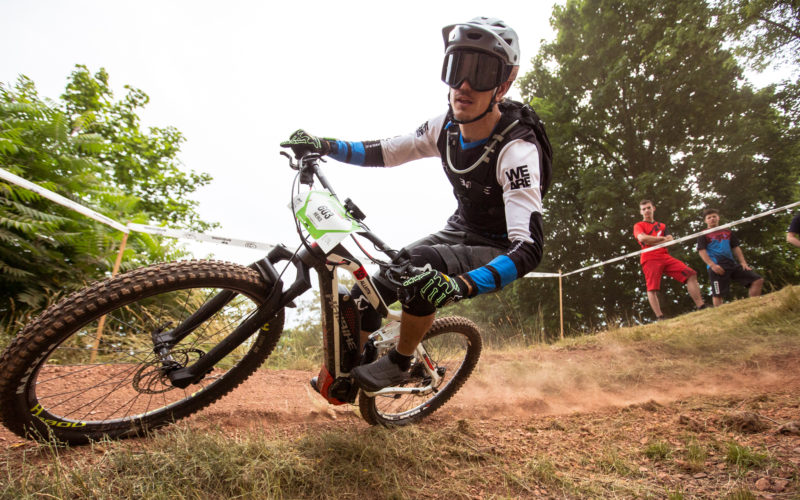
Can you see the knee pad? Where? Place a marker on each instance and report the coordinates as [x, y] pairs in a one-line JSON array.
[[424, 257], [427, 258], [419, 307]]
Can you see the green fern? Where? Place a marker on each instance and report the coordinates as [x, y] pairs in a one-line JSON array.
[[88, 148]]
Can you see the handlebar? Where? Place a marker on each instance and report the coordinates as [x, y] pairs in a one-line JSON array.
[[399, 270], [308, 167]]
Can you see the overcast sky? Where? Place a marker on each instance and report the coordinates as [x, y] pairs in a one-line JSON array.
[[238, 77]]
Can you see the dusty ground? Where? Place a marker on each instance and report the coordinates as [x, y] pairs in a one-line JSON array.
[[583, 431]]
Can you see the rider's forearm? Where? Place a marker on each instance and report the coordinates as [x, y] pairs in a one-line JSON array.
[[391, 151], [522, 258], [365, 153]]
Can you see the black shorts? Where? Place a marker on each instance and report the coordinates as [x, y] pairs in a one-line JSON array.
[[459, 251], [721, 283], [450, 251]]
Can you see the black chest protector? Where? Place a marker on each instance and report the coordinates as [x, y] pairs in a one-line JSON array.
[[473, 171]]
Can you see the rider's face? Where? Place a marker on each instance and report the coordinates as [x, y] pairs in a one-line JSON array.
[[467, 103]]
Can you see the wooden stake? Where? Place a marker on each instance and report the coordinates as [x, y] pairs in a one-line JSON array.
[[561, 303], [102, 322]]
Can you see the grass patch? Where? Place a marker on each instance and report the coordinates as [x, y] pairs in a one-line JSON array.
[[740, 494], [696, 455], [180, 463], [676, 494], [659, 450], [744, 457], [611, 463]]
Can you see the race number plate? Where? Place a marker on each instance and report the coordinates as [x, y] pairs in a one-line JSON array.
[[324, 218]]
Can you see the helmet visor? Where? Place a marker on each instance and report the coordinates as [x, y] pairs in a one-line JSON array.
[[483, 71]]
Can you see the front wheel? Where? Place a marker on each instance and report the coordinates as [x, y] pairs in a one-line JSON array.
[[68, 377], [454, 346]]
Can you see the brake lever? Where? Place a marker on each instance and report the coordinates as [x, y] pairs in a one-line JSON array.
[[292, 164], [398, 273]]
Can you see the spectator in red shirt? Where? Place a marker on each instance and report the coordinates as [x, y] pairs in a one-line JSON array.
[[658, 262]]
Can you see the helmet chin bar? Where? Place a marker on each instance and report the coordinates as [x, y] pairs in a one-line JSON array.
[[464, 122]]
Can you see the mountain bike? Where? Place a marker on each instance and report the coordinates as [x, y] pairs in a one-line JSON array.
[[146, 348]]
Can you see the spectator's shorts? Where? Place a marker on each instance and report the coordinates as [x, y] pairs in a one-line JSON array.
[[654, 268], [721, 283]]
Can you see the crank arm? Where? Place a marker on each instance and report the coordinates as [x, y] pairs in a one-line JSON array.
[[436, 379], [401, 390]]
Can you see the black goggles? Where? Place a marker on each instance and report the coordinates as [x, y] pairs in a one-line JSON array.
[[483, 71]]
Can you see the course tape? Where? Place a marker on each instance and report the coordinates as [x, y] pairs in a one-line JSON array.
[[142, 228], [685, 238], [189, 235], [4, 174], [542, 275], [256, 245]]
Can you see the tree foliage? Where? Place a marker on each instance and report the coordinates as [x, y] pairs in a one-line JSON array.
[[90, 148], [765, 31], [642, 100]]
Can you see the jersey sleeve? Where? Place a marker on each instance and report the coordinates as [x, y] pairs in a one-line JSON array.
[[393, 151], [518, 172], [702, 242], [637, 230], [794, 226], [734, 241]]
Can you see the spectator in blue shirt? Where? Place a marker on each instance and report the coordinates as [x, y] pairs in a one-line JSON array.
[[723, 256], [793, 235]]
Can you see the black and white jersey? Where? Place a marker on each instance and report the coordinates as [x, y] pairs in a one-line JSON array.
[[497, 182]]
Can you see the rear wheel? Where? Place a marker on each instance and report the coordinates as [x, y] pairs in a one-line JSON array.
[[61, 378], [454, 346]]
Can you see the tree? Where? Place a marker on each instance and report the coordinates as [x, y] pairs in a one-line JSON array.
[[642, 100], [91, 149], [766, 31]]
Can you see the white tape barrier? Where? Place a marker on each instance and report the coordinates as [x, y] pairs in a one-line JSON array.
[[142, 228], [4, 174], [542, 275], [685, 238], [223, 240], [188, 235]]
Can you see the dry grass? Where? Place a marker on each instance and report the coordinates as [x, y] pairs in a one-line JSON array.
[[678, 449]]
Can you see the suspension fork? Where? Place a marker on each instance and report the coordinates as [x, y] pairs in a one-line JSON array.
[[277, 299], [163, 341]]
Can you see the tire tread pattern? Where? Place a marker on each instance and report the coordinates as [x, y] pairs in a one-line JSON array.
[[61, 319], [366, 404]]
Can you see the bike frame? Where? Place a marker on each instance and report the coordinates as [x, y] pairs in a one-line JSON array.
[[307, 257]]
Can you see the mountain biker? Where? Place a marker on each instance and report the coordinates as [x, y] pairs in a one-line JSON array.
[[499, 171]]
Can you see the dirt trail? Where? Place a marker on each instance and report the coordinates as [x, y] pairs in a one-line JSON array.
[[514, 386], [576, 410], [506, 385]]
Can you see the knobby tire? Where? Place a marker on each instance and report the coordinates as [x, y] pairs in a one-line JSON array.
[[453, 343], [51, 387]]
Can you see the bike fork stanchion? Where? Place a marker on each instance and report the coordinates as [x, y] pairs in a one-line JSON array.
[[422, 355], [102, 322]]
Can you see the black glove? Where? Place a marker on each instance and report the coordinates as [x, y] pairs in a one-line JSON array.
[[303, 142], [438, 289]]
